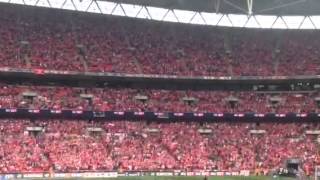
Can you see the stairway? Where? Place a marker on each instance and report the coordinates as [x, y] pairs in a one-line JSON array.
[[27, 61], [228, 52], [24, 45], [138, 65], [275, 53], [81, 49], [83, 60]]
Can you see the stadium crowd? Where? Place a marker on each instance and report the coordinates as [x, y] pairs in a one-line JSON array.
[[65, 41], [72, 145], [124, 99], [62, 41]]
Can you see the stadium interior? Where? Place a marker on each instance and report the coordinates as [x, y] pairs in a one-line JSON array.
[[90, 95]]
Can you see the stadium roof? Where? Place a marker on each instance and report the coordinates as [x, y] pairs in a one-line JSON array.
[[275, 14], [274, 7]]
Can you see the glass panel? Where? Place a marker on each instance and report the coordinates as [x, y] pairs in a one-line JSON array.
[[211, 18], [184, 16], [170, 17]]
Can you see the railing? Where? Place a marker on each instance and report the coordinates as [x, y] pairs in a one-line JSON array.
[[157, 76], [114, 174], [163, 116]]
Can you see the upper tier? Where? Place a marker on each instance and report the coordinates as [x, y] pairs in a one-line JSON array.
[[121, 99], [61, 41]]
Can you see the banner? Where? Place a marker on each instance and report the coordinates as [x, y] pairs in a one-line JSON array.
[[164, 174], [205, 131], [33, 175], [86, 175]]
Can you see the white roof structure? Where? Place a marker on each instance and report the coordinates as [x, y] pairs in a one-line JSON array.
[[177, 15]]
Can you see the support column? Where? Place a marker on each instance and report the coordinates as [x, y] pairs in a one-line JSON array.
[[249, 5]]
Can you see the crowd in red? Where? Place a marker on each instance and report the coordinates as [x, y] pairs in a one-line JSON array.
[[62, 41], [70, 145], [66, 41], [122, 99]]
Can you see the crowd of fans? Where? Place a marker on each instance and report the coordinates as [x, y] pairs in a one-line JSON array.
[[66, 41], [70, 145], [62, 41], [124, 99]]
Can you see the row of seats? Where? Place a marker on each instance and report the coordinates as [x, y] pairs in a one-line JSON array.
[[72, 145], [122, 99], [62, 41]]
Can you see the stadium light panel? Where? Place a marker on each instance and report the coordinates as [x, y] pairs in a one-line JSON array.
[[131, 9], [56, 3], [170, 17], [265, 21], [238, 20], [69, 5], [17, 1], [118, 11], [83, 5], [316, 21], [31, 2], [143, 13], [307, 24], [225, 21], [157, 13], [211, 18], [279, 24], [106, 7], [197, 19], [184, 16], [252, 23], [93, 8], [293, 22], [43, 3]]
